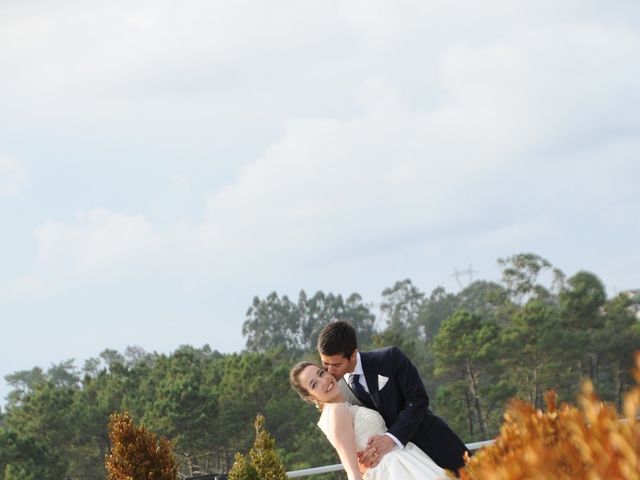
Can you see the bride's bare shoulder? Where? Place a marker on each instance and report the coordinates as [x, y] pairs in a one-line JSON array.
[[343, 406], [339, 410]]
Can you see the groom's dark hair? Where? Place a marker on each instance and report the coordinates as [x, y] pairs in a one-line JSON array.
[[338, 337]]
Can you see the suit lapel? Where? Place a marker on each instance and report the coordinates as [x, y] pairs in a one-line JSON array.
[[371, 375]]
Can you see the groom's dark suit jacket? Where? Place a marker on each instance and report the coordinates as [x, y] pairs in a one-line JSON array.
[[404, 405]]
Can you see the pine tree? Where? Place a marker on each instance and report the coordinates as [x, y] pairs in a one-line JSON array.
[[263, 462], [243, 469], [263, 454], [137, 454]]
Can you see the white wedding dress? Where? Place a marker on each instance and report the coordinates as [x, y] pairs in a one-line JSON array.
[[409, 463]]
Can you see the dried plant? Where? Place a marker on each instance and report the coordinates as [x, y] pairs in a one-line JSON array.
[[590, 442], [137, 454]]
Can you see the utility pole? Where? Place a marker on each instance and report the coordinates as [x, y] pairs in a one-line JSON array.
[[457, 274]]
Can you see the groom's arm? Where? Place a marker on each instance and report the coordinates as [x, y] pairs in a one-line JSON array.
[[416, 401]]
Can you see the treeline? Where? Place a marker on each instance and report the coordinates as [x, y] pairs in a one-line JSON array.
[[534, 330]]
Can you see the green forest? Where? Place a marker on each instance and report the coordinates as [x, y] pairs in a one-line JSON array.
[[536, 329]]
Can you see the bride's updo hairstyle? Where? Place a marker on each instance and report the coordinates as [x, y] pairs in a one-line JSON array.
[[294, 380]]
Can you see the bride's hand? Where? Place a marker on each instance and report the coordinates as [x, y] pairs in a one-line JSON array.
[[362, 467]]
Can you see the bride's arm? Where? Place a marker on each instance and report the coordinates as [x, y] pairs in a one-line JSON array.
[[343, 439]]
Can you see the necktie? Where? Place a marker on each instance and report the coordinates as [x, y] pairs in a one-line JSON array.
[[359, 390]]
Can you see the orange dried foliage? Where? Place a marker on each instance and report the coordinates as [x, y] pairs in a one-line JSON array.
[[137, 454], [591, 442]]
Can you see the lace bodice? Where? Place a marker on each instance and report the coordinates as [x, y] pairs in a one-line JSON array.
[[366, 422], [409, 463]]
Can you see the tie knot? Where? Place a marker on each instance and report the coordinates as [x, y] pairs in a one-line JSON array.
[[359, 391]]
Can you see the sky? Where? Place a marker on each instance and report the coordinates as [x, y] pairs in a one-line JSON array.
[[163, 162]]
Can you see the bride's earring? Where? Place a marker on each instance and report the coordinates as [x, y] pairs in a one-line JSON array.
[[317, 404]]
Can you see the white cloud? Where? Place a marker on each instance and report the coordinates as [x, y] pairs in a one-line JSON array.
[[98, 246], [99, 240], [241, 147], [512, 111], [479, 130], [181, 183], [14, 175]]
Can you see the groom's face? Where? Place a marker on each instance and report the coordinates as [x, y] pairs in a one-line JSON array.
[[337, 365]]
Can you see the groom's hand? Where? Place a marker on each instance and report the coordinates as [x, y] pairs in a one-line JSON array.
[[377, 447]]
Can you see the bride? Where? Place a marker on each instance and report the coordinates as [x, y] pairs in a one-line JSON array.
[[348, 428]]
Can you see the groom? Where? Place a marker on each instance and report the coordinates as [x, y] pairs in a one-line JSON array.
[[386, 380]]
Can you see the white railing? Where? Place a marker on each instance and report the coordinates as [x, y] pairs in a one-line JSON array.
[[337, 467]]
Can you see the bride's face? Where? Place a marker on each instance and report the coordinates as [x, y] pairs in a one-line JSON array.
[[321, 385]]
